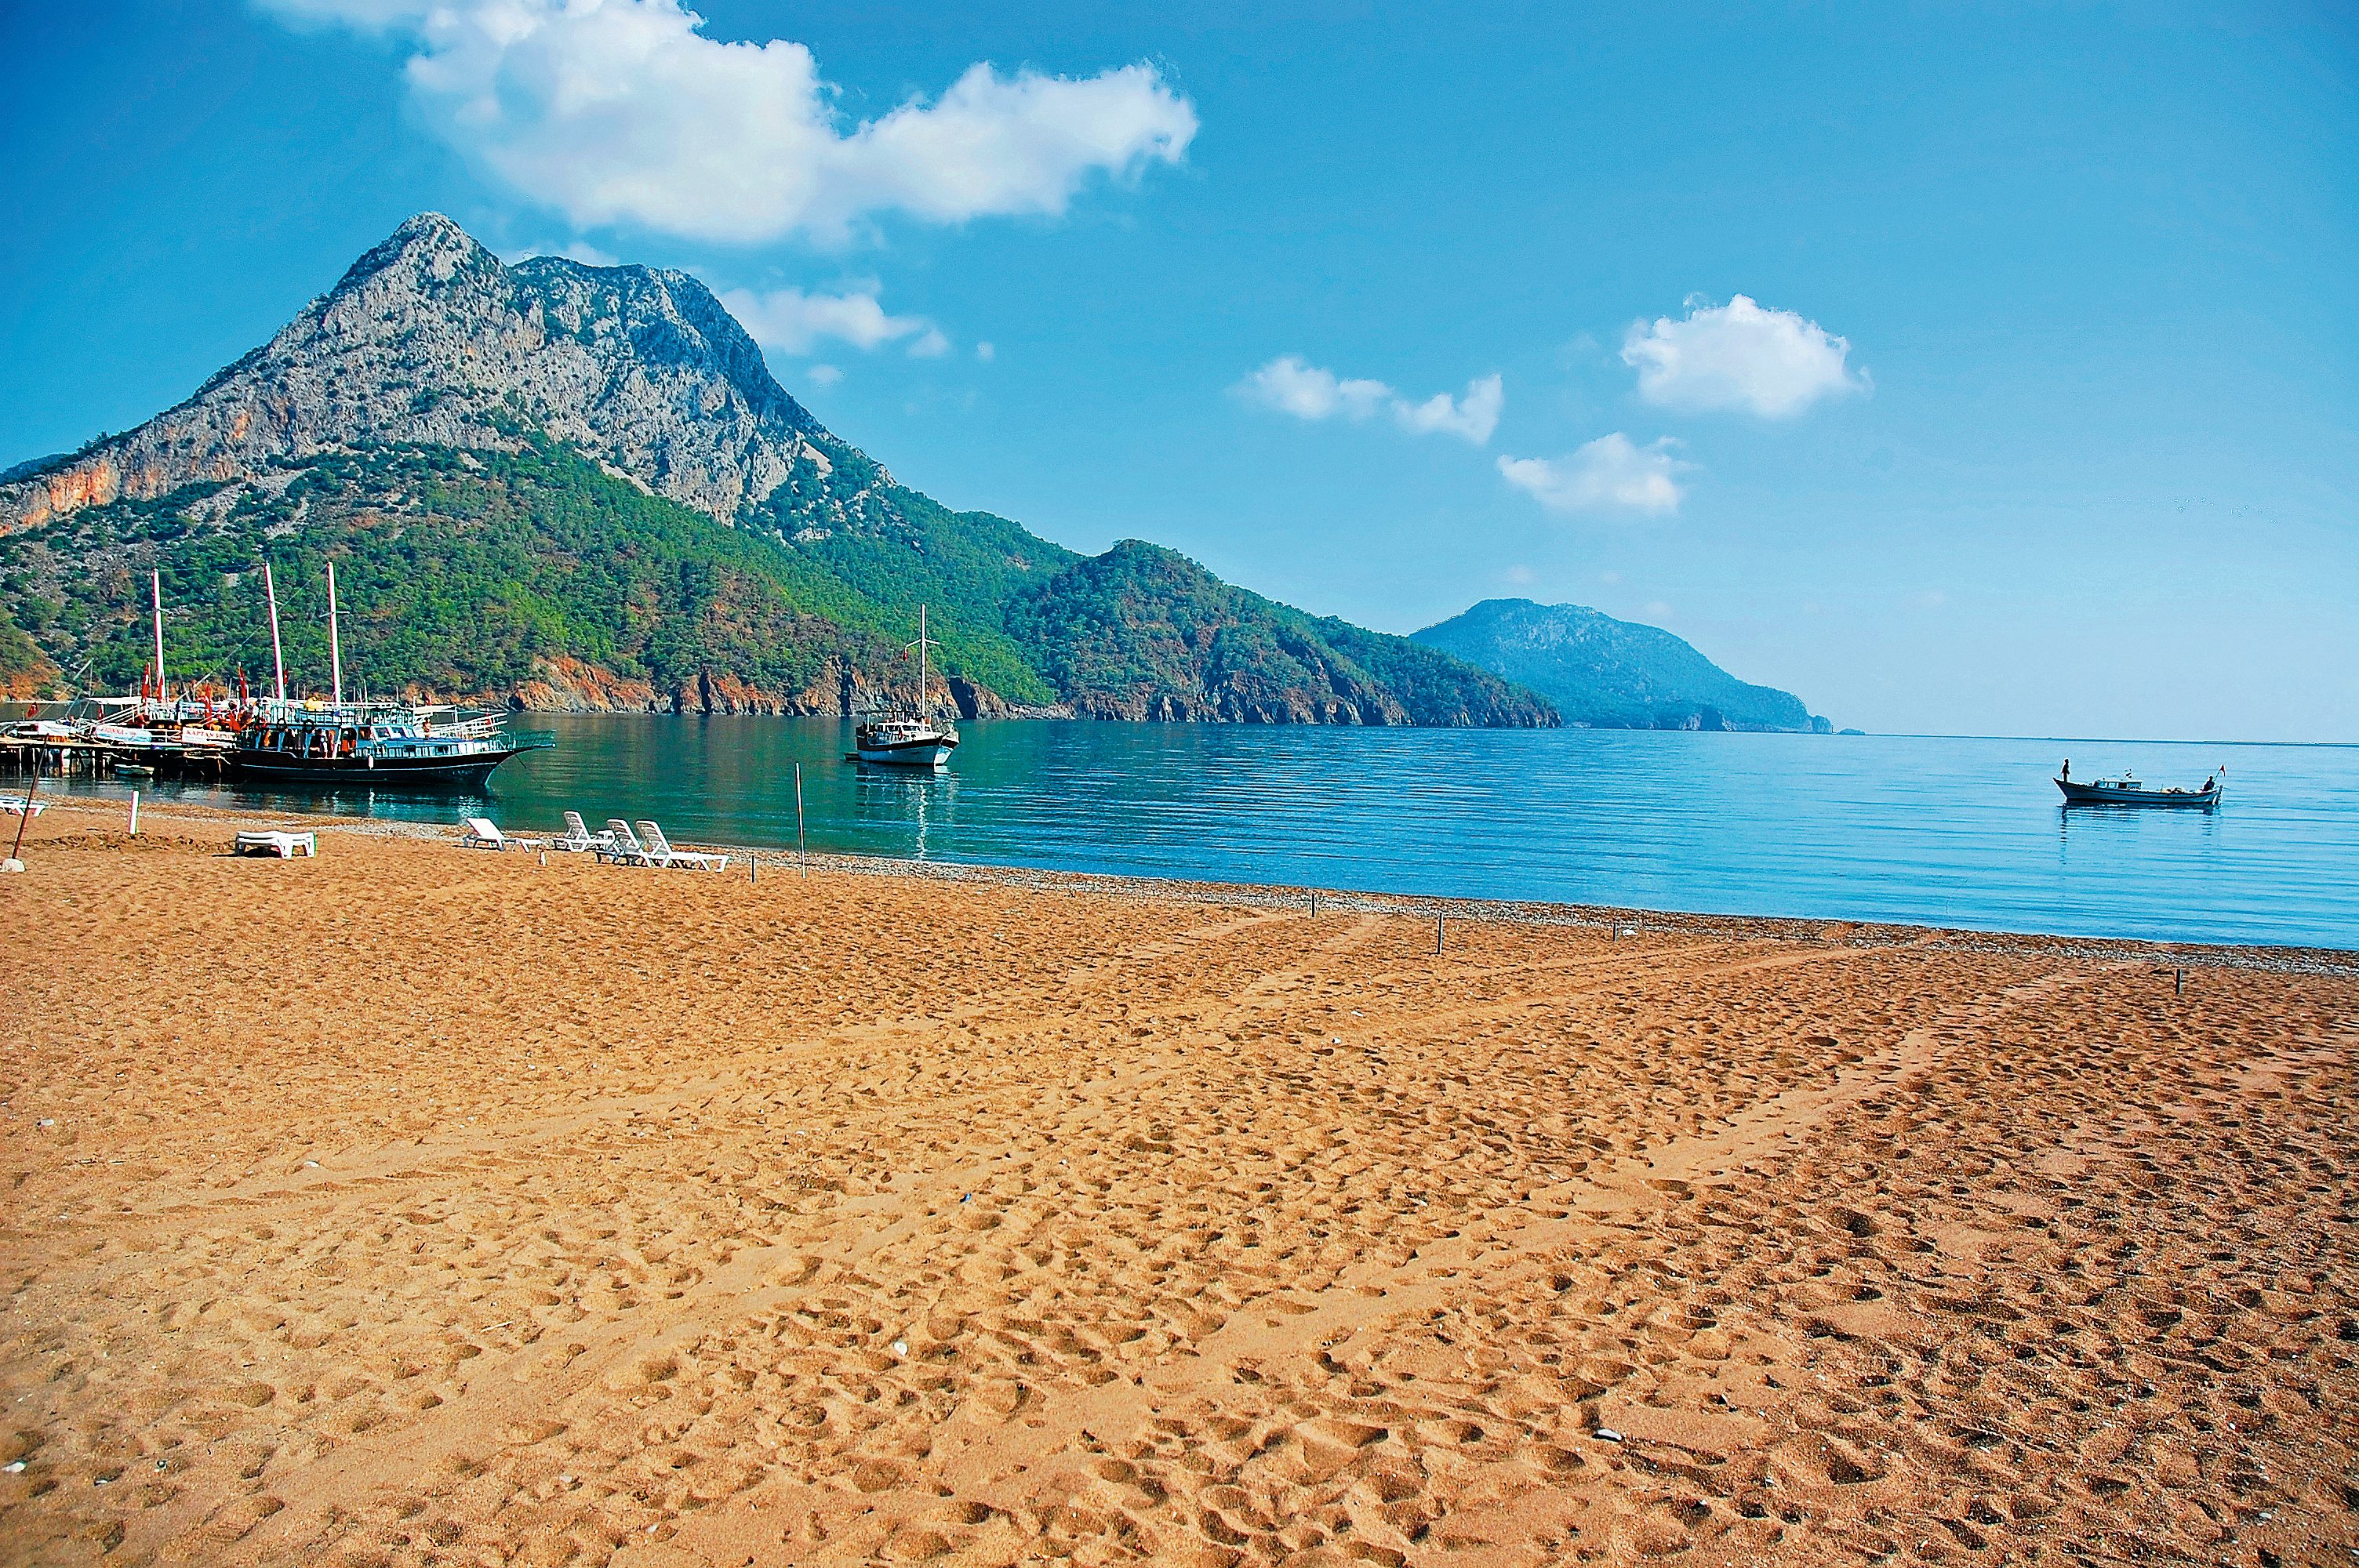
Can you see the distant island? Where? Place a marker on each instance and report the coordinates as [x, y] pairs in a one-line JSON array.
[[1613, 675], [558, 486]]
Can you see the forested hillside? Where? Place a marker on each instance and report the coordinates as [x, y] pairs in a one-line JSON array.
[[535, 576], [1609, 674]]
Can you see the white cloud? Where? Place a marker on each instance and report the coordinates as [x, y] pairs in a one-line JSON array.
[[1305, 390], [623, 111], [1610, 474], [985, 352], [1473, 417], [1739, 355], [825, 375], [793, 323], [1291, 385]]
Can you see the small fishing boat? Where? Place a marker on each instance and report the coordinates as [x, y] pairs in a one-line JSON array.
[[2126, 789], [908, 737]]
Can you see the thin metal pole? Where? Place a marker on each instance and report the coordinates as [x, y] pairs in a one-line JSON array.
[[156, 586], [335, 645], [278, 659], [802, 856], [1438, 927], [135, 814]]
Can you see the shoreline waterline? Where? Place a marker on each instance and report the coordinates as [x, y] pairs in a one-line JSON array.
[[1912, 832], [1632, 919]]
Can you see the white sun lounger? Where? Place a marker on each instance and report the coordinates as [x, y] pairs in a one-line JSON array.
[[622, 845], [281, 844], [659, 852], [480, 833], [578, 838], [17, 805]]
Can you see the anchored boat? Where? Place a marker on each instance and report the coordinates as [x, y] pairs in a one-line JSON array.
[[340, 744], [386, 744], [2124, 789], [907, 738]]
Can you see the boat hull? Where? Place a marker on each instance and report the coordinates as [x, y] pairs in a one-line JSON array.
[[2094, 795], [470, 772], [933, 753]]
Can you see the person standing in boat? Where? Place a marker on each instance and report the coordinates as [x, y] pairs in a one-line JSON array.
[[2068, 770]]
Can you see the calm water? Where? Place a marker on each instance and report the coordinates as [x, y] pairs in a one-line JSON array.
[[1960, 832]]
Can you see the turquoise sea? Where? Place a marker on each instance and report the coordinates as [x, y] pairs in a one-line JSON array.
[[1965, 832]]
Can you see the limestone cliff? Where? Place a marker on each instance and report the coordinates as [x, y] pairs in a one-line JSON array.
[[429, 338]]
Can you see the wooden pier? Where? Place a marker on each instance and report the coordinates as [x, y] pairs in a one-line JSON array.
[[60, 758], [100, 759]]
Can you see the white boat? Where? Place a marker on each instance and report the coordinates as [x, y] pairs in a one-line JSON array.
[[909, 739], [904, 742]]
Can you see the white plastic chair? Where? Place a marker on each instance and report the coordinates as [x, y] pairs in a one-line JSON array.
[[480, 833], [661, 853], [577, 837], [283, 845], [623, 846]]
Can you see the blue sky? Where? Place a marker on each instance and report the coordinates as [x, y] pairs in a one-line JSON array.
[[1985, 368]]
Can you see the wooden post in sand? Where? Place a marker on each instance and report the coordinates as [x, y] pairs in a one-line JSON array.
[[1440, 921], [802, 858], [16, 854], [2178, 983], [135, 814]]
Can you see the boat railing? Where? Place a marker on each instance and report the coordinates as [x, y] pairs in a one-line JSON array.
[[483, 727]]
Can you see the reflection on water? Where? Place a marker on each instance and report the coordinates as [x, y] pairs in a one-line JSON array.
[[1959, 832], [895, 803]]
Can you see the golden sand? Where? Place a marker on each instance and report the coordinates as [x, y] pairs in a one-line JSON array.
[[412, 1204]]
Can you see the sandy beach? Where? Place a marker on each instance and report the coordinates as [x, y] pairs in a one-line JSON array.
[[411, 1204]]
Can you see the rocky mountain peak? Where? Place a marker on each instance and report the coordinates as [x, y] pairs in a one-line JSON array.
[[430, 338], [427, 252]]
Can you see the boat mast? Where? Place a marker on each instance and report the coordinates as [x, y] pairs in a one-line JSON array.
[[156, 586], [924, 695], [278, 659], [335, 645]]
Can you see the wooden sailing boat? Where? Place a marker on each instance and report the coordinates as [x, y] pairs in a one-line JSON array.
[[909, 738], [378, 744]]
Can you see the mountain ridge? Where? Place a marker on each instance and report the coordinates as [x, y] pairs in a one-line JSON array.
[[1215, 652], [554, 483], [1605, 673]]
